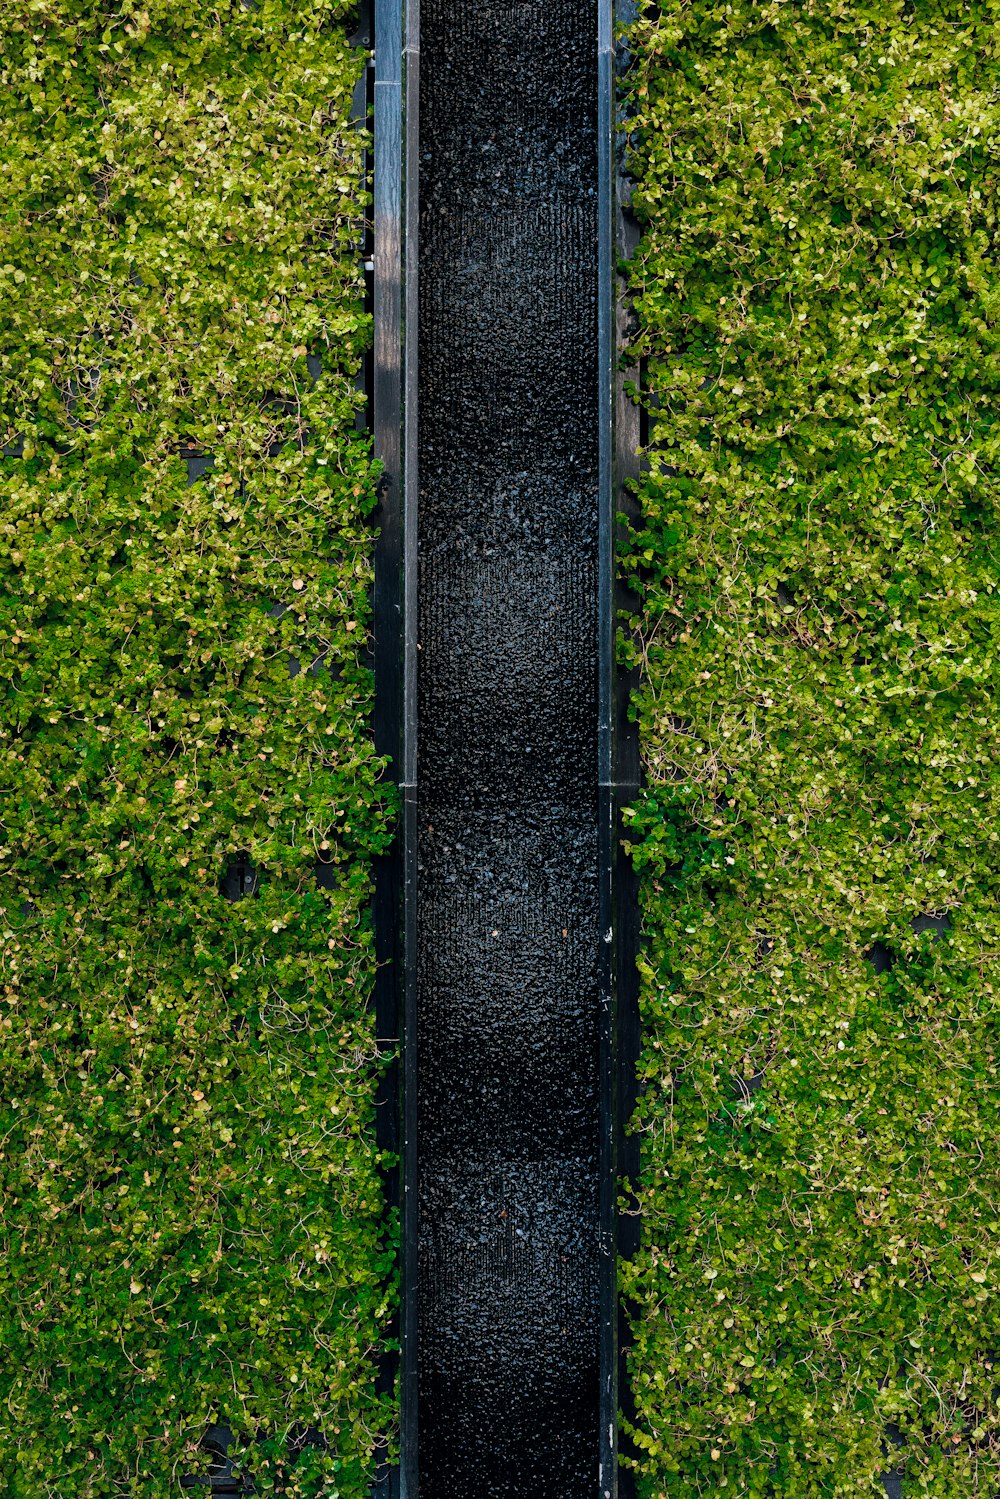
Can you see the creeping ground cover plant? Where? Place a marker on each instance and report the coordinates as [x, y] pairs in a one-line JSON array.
[[190, 1211], [814, 1302]]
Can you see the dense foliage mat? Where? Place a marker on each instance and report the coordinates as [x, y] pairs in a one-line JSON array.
[[818, 295], [190, 1206]]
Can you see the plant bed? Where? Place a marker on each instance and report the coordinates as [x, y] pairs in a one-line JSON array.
[[192, 1218], [816, 288]]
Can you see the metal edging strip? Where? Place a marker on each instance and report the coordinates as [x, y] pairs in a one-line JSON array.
[[606, 345], [626, 758], [394, 422], [409, 1428]]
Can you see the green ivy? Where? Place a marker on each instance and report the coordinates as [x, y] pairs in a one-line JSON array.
[[191, 1220], [818, 293]]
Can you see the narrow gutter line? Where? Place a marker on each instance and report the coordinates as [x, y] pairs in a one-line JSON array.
[[393, 726], [409, 1426]]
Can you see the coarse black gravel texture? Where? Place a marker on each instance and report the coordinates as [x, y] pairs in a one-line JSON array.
[[507, 1033]]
